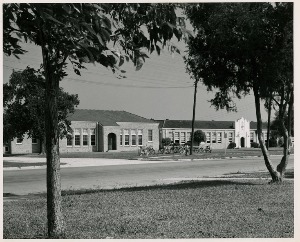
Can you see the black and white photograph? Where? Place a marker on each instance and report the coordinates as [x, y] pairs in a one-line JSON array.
[[148, 120]]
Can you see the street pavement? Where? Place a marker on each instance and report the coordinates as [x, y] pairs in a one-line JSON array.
[[79, 173]]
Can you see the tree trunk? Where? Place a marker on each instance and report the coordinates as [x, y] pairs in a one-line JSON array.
[[281, 168], [269, 123], [54, 209], [274, 174], [284, 160]]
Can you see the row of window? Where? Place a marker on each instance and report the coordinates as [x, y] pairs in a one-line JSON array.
[[88, 137], [136, 137], [20, 140], [180, 137], [183, 137], [216, 137], [211, 137]]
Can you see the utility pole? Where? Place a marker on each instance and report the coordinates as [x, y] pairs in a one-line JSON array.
[[193, 121]]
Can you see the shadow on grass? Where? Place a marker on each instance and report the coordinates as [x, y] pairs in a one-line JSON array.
[[7, 164], [25, 155], [288, 174], [8, 194], [7, 197], [175, 186]]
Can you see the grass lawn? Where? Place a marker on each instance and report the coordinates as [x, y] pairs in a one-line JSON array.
[[195, 209]]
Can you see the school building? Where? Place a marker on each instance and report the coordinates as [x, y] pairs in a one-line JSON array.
[[105, 130], [218, 133], [98, 131]]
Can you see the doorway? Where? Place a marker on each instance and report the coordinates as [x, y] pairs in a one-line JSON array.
[[242, 142], [112, 141]]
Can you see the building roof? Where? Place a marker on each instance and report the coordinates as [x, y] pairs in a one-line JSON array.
[[106, 117], [253, 125], [187, 124]]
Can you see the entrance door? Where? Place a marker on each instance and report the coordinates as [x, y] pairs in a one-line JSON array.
[[242, 142], [112, 141]]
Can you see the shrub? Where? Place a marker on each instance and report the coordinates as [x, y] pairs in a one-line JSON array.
[[231, 145], [254, 145], [281, 142], [166, 141], [272, 142], [199, 136]]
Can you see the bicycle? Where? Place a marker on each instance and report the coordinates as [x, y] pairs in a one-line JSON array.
[[148, 150]]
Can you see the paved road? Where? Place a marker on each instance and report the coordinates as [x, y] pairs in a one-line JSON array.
[[33, 181]]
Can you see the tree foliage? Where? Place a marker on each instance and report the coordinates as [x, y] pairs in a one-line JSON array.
[[235, 47], [24, 106], [199, 136], [276, 126], [81, 33], [242, 48], [166, 141]]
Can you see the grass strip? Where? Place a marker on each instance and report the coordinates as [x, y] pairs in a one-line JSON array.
[[194, 209]]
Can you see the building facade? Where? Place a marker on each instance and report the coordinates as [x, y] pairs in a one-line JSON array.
[[218, 133], [104, 130], [98, 131]]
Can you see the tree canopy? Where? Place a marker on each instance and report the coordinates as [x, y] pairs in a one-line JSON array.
[[82, 33], [242, 48], [24, 106], [239, 46]]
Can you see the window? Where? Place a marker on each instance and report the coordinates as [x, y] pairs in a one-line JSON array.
[[171, 135], [230, 137], [208, 138], [34, 140], [77, 137], [69, 140], [133, 137], [214, 137], [19, 140], [176, 137], [126, 135], [93, 136], [121, 138], [251, 137], [6, 149], [150, 135], [182, 138], [219, 137], [85, 137], [140, 136]]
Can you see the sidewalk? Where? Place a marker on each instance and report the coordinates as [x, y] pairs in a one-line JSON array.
[[77, 162], [83, 162]]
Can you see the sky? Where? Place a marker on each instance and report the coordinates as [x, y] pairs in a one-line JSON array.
[[160, 90]]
